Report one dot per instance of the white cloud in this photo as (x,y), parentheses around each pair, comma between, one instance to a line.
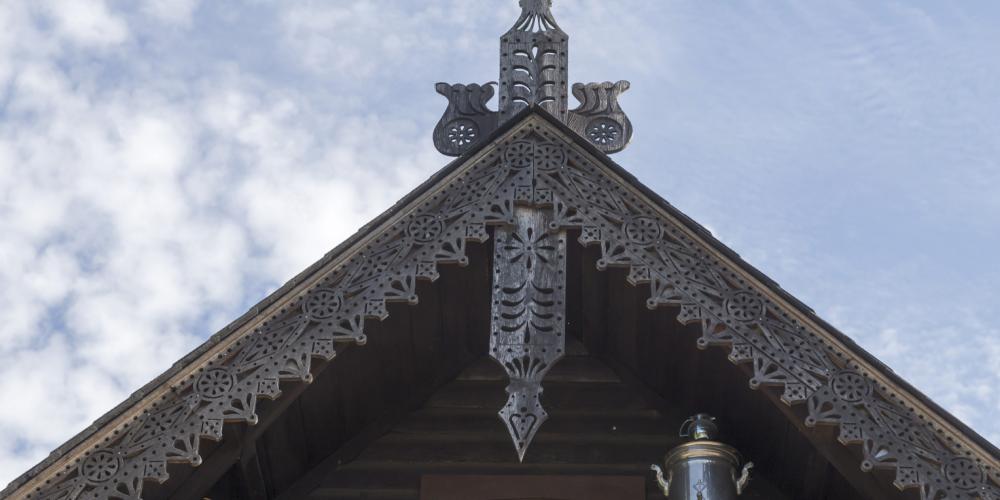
(150,191)
(86,22)
(143,210)
(154,146)
(357,41)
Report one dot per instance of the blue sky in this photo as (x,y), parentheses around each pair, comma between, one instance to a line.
(166,163)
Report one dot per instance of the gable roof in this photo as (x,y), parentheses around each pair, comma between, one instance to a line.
(901,428)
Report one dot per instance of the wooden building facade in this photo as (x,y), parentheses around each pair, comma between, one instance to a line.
(532,279)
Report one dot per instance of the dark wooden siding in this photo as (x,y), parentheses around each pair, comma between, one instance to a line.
(599,425)
(422,397)
(653,350)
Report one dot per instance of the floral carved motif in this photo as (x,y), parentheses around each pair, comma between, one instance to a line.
(528,317)
(534,68)
(783,353)
(333,310)
(533,167)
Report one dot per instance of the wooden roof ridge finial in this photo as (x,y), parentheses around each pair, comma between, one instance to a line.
(533,72)
(536,15)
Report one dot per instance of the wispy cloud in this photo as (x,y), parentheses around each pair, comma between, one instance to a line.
(165,163)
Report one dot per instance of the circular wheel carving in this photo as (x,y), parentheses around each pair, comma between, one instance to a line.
(322,304)
(851,386)
(462,132)
(519,154)
(214,383)
(100,466)
(643,230)
(424,228)
(604,131)
(549,157)
(963,473)
(745,306)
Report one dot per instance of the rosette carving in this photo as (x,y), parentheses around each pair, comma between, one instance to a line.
(680,269)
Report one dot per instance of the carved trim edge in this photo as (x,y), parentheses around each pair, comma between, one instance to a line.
(356,266)
(734,310)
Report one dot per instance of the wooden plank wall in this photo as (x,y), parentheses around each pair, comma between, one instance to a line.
(408,356)
(661,354)
(422,397)
(599,425)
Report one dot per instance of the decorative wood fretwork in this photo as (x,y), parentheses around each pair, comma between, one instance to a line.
(599,118)
(534,69)
(528,321)
(681,270)
(467,118)
(533,63)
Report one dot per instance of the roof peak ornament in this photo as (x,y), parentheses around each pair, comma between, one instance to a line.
(527,329)
(536,15)
(533,72)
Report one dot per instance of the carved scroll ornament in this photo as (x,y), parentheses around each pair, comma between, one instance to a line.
(631,232)
(467,118)
(599,118)
(534,69)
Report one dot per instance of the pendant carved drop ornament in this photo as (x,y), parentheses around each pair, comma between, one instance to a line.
(528,311)
(528,333)
(533,188)
(529,277)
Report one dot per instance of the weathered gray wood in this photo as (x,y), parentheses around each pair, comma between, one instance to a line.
(229,451)
(843,459)
(732,315)
(528,331)
(599,117)
(534,67)
(691,380)
(534,63)
(607,438)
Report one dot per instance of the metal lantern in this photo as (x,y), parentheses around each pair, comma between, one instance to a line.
(702,468)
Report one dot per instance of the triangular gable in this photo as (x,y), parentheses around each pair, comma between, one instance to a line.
(813,366)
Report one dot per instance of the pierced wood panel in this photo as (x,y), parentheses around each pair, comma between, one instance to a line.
(631,232)
(529,316)
(534,66)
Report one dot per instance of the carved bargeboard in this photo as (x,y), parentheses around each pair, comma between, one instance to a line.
(631,231)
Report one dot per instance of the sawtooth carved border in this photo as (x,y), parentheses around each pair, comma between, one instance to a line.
(680,270)
(737,313)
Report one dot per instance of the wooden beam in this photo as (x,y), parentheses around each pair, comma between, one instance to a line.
(346,453)
(230,452)
(252,485)
(840,457)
